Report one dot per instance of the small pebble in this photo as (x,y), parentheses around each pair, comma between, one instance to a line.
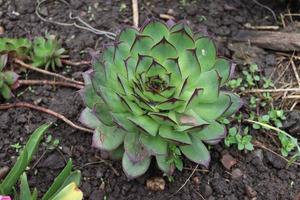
(228,161)
(250,191)
(156,184)
(236,173)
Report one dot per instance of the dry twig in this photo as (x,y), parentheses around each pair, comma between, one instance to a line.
(135,10)
(47,82)
(260,145)
(187,180)
(45,110)
(295,71)
(272,90)
(71,63)
(22,64)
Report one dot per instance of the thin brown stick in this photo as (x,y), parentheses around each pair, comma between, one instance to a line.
(187,180)
(48,82)
(292,97)
(71,63)
(45,110)
(273,90)
(260,145)
(295,71)
(135,11)
(20,62)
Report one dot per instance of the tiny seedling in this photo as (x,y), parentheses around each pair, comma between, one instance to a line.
(243,141)
(16,146)
(272,117)
(51,143)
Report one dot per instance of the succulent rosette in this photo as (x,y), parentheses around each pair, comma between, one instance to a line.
(156,88)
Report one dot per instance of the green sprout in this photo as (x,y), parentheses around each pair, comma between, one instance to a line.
(8,79)
(16,146)
(47,52)
(243,141)
(156,88)
(288,142)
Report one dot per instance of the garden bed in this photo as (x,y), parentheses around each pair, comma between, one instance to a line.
(259,174)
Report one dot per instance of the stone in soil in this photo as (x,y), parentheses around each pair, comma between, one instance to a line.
(236,173)
(156,184)
(228,161)
(250,191)
(53,161)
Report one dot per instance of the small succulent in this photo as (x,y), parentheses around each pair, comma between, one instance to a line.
(8,79)
(156,88)
(47,52)
(19,46)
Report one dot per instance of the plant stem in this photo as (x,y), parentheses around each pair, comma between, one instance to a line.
(20,62)
(48,82)
(68,62)
(45,110)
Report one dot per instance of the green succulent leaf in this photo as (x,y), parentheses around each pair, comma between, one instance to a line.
(196,152)
(164,165)
(211,134)
(25,192)
(154,144)
(88,118)
(108,138)
(134,148)
(133,170)
(173,135)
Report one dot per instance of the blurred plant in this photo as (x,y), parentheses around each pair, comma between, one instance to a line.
(16,146)
(156,92)
(272,117)
(289,144)
(18,46)
(47,52)
(8,79)
(64,187)
(7,185)
(243,141)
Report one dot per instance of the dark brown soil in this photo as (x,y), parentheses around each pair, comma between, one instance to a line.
(259,174)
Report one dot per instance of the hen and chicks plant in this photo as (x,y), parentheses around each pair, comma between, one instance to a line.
(156,93)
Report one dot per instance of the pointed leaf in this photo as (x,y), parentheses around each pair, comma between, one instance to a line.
(163,50)
(156,145)
(88,118)
(224,69)
(133,170)
(108,138)
(25,193)
(156,29)
(145,123)
(212,111)
(236,104)
(206,53)
(211,134)
(58,181)
(164,165)
(196,152)
(170,134)
(134,149)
